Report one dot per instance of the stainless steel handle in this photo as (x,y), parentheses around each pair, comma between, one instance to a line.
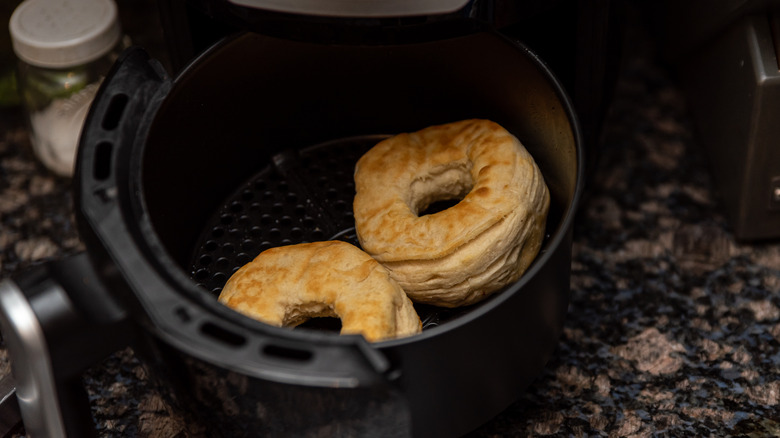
(36,389)
(10,416)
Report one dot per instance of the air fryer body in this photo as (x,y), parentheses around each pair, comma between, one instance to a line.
(159,158)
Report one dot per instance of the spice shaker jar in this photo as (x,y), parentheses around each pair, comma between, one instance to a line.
(64,48)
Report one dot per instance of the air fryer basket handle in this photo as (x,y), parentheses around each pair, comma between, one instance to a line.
(56,321)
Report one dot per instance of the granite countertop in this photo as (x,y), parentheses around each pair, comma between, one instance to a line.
(673,327)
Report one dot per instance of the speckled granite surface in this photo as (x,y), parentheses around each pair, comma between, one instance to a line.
(673,327)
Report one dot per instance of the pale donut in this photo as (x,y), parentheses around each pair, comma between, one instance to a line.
(287,285)
(460,255)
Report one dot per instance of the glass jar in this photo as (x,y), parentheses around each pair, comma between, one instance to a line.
(64,51)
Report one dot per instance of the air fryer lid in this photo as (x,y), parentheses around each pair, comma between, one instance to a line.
(344,21)
(153,194)
(357,8)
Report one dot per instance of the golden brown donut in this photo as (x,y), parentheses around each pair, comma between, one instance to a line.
(460,255)
(287,285)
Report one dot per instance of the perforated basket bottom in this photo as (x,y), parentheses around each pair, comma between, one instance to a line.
(301,196)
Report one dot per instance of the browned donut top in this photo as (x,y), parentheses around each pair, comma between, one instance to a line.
(397,177)
(284,286)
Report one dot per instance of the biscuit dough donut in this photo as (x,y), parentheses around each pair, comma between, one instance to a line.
(462,254)
(287,285)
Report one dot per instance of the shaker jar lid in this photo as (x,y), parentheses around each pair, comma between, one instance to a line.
(61,34)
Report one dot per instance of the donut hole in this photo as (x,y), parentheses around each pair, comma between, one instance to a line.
(439,205)
(440,188)
(323,323)
(313,316)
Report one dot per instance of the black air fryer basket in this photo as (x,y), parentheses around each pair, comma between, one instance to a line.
(253,145)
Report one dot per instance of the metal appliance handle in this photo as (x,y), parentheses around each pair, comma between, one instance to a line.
(56,321)
(10,417)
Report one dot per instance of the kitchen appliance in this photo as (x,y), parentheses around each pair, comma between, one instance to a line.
(727,62)
(252,145)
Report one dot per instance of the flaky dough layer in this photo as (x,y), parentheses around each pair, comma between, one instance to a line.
(287,285)
(462,254)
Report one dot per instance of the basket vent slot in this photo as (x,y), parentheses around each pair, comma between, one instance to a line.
(114,113)
(288,353)
(102,165)
(222,334)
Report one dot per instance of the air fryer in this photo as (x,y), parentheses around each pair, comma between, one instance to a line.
(252,145)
